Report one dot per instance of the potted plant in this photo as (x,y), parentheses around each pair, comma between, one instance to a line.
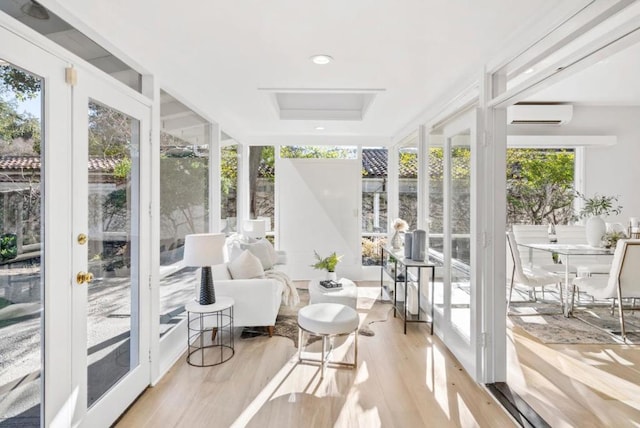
(593,208)
(610,239)
(327,263)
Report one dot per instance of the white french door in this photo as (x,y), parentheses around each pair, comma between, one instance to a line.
(35,292)
(72,353)
(111,236)
(458,293)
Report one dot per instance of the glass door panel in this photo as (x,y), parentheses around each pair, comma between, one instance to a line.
(436,214)
(113,177)
(21,247)
(460,237)
(111,274)
(453,163)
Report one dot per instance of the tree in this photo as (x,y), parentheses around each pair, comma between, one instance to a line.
(17,85)
(22,85)
(539,186)
(255,158)
(109,132)
(313,152)
(229,169)
(183,191)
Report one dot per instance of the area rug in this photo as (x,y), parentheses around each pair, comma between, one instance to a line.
(588,325)
(287,319)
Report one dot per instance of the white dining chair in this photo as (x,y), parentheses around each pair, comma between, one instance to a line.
(538,234)
(589,265)
(623,281)
(532,276)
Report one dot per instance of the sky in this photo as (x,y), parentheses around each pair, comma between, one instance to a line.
(32,106)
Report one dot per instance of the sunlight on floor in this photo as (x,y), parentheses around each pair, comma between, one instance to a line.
(284,384)
(585,379)
(265,395)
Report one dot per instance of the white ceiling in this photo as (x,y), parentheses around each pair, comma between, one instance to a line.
(218,54)
(614,81)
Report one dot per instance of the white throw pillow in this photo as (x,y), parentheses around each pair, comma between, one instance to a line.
(246,266)
(220,272)
(272,251)
(264,251)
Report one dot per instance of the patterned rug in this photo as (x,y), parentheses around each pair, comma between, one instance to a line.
(589,324)
(287,320)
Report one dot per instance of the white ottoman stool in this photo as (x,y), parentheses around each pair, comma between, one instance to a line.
(347,295)
(328,320)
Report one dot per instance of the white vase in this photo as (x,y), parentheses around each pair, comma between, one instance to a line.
(595,229)
(331,276)
(396,240)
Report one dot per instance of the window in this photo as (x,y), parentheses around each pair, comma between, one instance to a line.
(229,188)
(374,203)
(319,152)
(540,185)
(436,198)
(184,201)
(408,182)
(262,183)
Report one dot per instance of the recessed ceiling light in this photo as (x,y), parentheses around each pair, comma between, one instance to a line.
(528,71)
(321,59)
(319,128)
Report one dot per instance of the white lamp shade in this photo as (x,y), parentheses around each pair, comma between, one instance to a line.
(254,228)
(267,222)
(204,249)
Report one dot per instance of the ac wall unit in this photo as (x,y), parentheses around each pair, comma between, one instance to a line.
(539,114)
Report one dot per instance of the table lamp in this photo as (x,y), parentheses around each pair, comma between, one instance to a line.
(254,229)
(204,250)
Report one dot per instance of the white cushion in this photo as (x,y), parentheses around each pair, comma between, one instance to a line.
(272,251)
(220,272)
(246,266)
(264,251)
(328,318)
(233,250)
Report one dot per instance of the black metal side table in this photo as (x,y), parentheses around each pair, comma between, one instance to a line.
(402,265)
(217,320)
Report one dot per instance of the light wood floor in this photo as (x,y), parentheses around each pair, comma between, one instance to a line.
(402,380)
(576,385)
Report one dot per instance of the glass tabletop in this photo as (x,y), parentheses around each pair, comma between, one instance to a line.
(570,249)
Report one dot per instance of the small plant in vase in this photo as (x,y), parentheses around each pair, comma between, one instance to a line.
(593,208)
(400,226)
(328,263)
(610,239)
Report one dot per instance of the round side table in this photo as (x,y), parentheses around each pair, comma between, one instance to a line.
(217,320)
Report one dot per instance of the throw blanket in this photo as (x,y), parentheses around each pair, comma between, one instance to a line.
(290,295)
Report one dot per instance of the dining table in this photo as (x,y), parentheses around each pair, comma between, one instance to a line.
(568,251)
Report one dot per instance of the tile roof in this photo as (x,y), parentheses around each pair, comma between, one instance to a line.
(33,163)
(374,165)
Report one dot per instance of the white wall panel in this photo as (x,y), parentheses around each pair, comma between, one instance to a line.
(319,209)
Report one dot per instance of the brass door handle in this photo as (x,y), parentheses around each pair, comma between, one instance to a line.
(83,277)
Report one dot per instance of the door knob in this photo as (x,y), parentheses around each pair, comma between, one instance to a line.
(83,277)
